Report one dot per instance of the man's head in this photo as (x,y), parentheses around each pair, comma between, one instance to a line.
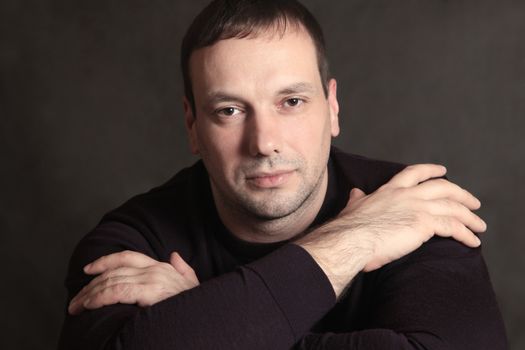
(226,19)
(260,114)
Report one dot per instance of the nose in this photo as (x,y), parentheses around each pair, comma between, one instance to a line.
(264,134)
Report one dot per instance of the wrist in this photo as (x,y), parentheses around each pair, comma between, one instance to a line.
(341,253)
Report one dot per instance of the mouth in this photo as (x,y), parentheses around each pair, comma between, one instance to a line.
(269,179)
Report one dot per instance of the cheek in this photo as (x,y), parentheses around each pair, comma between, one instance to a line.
(312,140)
(312,132)
(218,149)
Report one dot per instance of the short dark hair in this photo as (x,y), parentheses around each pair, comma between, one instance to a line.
(226,19)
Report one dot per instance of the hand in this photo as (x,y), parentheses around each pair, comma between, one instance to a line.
(411,208)
(376,229)
(132,278)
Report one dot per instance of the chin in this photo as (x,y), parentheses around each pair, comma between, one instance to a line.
(273,208)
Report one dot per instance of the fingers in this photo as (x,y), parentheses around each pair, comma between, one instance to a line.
(124,293)
(414,174)
(118,292)
(356,194)
(450,208)
(133,278)
(182,267)
(106,281)
(441,188)
(423,181)
(116,260)
(446,226)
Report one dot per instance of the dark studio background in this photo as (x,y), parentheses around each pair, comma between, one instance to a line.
(91,114)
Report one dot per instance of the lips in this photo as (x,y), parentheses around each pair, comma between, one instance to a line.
(269,180)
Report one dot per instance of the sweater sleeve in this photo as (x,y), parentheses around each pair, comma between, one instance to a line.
(269,303)
(439,297)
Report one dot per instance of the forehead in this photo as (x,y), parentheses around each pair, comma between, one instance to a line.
(264,61)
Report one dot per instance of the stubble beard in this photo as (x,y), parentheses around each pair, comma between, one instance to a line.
(274,207)
(277,206)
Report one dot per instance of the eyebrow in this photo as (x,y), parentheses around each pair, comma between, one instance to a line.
(216,97)
(297,88)
(301,87)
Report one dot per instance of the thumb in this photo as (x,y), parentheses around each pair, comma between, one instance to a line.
(182,267)
(356,194)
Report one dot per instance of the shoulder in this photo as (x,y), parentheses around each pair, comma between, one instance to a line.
(365,173)
(182,191)
(176,200)
(153,223)
(441,255)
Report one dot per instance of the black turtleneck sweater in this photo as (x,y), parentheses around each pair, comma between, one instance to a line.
(274,296)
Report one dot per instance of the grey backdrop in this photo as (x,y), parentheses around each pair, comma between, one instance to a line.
(90,106)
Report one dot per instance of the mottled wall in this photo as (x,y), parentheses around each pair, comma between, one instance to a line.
(90,114)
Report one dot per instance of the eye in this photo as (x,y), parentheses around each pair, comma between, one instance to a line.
(293,102)
(227,112)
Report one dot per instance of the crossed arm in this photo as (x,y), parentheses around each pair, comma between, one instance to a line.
(372,231)
(133,278)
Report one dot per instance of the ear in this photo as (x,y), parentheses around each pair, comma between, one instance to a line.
(189,120)
(333,104)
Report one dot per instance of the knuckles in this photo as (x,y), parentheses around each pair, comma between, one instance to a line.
(126,255)
(126,284)
(120,289)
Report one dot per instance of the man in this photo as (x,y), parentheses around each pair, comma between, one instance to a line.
(275,239)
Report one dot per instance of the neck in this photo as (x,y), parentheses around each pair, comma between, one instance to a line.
(250,228)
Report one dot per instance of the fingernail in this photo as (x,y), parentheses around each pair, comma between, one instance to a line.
(478,241)
(87,267)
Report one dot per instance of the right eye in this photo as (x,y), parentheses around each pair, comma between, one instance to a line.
(228,112)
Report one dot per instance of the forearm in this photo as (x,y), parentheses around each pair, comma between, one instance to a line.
(390,223)
(266,304)
(438,297)
(338,251)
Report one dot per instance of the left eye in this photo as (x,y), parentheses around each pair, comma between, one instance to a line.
(293,102)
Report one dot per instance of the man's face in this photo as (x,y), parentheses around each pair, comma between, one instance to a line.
(263,124)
